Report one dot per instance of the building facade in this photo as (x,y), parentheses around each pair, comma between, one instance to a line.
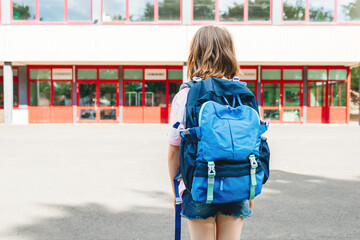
(122,61)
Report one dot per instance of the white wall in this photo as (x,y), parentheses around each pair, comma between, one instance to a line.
(169,44)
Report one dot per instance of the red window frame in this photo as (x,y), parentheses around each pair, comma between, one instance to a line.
(97,83)
(251,81)
(326,118)
(156,16)
(143,81)
(281,82)
(217,16)
(307,17)
(37,18)
(15,80)
(49,80)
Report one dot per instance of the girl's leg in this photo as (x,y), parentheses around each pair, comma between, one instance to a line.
(228,227)
(202,229)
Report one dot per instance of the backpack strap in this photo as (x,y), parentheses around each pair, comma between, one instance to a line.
(187,84)
(178,203)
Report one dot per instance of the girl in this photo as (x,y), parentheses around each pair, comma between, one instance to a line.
(212,54)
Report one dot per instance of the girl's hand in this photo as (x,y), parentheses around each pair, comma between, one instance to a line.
(251,203)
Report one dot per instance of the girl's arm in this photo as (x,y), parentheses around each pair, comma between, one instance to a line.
(173,163)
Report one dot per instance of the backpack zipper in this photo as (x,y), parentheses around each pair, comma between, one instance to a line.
(201,111)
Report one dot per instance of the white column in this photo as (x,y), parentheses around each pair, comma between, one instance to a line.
(96,11)
(185,73)
(8,93)
(186,12)
(5,11)
(276,12)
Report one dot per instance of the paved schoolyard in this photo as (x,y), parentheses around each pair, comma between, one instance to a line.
(102,182)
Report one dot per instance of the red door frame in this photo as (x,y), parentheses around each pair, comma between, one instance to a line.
(327,108)
(143,81)
(49,114)
(15,80)
(245,67)
(97,83)
(281,81)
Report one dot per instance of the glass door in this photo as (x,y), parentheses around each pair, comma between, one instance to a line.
(87,101)
(107,101)
(291,104)
(98,93)
(327,94)
(271,101)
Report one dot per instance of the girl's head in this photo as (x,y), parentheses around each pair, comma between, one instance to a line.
(212,54)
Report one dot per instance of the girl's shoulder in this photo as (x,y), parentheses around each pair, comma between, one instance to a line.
(182,94)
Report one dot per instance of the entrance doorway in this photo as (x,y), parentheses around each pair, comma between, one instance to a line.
(98,94)
(327,94)
(148,92)
(282,91)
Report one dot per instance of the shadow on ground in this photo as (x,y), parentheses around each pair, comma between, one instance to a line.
(292,207)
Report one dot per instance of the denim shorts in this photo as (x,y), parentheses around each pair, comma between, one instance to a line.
(195,210)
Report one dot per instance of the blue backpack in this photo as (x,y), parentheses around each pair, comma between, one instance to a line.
(223,156)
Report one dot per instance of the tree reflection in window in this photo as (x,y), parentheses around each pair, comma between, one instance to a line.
(348,10)
(294,10)
(322,10)
(169,9)
(141,10)
(231,10)
(204,10)
(23,9)
(259,10)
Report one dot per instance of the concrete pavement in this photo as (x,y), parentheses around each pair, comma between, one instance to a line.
(102,182)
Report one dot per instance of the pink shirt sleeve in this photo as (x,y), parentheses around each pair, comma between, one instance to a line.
(177,115)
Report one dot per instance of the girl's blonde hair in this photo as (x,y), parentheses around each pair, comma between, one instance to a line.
(212,54)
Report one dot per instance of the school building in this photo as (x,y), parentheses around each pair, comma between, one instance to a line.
(122,61)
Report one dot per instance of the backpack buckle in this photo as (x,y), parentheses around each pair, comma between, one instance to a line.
(211,169)
(253,161)
(185,131)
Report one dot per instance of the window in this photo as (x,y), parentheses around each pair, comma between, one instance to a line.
(51,11)
(169,10)
(155,94)
(231,11)
(337,94)
(24,9)
(114,10)
(108,74)
(141,10)
(133,74)
(50,86)
(270,74)
(271,94)
(133,92)
(317,74)
(316,94)
(204,10)
(348,10)
(321,10)
(40,93)
(79,10)
(259,10)
(292,74)
(175,74)
(294,10)
(86,74)
(59,11)
(62,93)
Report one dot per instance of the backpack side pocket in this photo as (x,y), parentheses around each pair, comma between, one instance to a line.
(265,158)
